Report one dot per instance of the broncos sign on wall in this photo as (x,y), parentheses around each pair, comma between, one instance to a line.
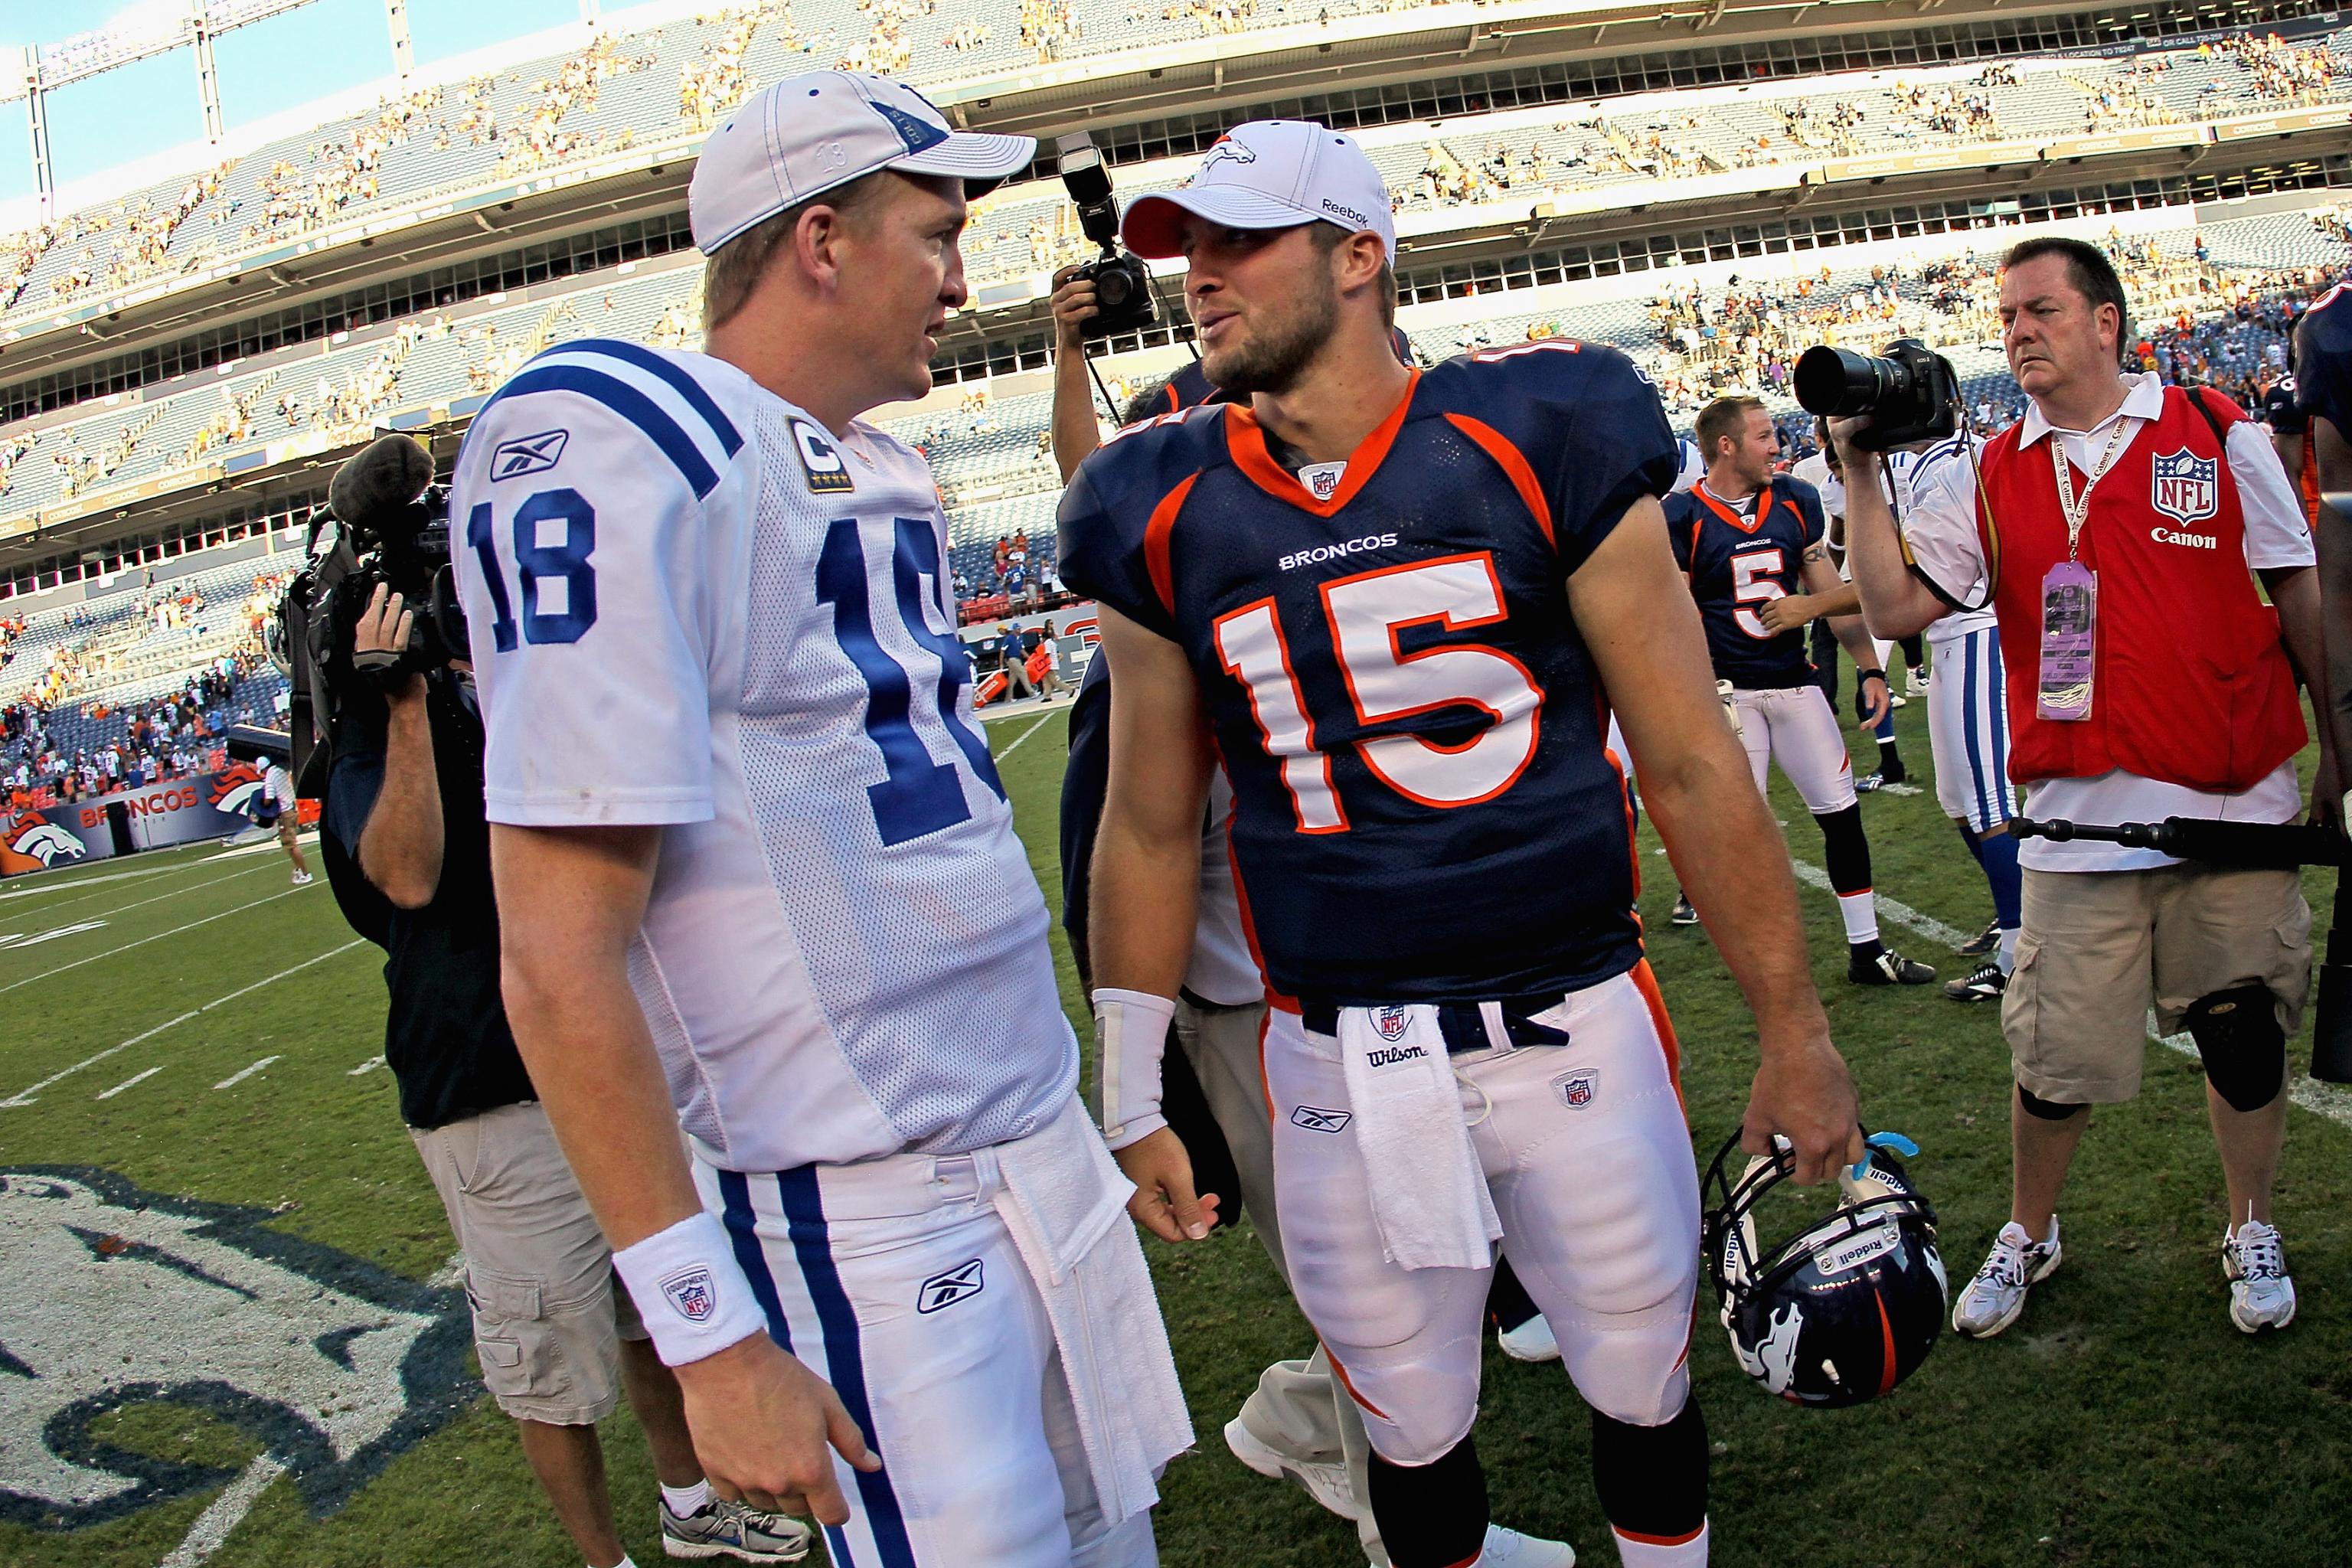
(176,810)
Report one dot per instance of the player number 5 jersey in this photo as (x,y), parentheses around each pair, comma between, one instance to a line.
(692,608)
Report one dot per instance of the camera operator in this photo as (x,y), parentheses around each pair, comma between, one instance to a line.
(408,851)
(2146,679)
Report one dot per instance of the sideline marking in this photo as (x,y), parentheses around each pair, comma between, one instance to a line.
(368,1065)
(14,940)
(126,1083)
(1023,736)
(2332,1100)
(232,1079)
(211,1531)
(142,942)
(24,1096)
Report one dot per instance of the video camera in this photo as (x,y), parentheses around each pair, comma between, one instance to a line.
(1122,283)
(385,524)
(1911,395)
(2258,846)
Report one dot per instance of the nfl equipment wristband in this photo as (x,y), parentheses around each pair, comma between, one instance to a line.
(1130,1034)
(690,1291)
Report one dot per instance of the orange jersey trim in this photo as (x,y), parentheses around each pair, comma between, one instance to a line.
(1155,542)
(1245,439)
(1514,464)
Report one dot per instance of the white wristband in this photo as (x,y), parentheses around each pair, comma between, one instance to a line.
(689,1290)
(1130,1033)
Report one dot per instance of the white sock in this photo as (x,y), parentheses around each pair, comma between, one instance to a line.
(1860,912)
(624,1562)
(685,1501)
(2009,949)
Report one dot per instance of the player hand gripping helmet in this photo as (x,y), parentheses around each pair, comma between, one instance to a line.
(1848,1307)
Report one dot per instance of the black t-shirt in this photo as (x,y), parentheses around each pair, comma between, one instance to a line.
(446,1037)
(2279,410)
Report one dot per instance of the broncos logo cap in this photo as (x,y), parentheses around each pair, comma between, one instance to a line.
(806,134)
(1269,174)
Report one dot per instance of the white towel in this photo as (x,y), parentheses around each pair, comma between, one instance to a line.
(1428,1191)
(1065,1200)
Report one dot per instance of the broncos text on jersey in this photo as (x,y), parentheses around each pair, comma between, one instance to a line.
(1738,565)
(1423,805)
(701,610)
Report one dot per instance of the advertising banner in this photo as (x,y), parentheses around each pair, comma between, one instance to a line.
(174,811)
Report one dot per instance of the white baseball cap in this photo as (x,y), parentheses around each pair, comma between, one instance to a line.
(1269,174)
(806,134)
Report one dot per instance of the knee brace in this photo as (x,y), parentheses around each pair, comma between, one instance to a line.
(1431,1515)
(1845,848)
(2238,1035)
(2046,1109)
(1651,1480)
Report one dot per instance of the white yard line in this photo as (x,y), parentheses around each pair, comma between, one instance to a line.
(159,936)
(2332,1100)
(1023,736)
(24,1096)
(126,1083)
(238,1077)
(211,1531)
(366,1067)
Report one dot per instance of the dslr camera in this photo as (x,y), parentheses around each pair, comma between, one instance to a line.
(1911,393)
(387,524)
(1122,283)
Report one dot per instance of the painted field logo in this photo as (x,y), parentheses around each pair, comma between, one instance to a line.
(113,1297)
(1391,1021)
(234,788)
(2185,486)
(950,1286)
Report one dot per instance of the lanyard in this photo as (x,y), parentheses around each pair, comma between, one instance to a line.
(2078,507)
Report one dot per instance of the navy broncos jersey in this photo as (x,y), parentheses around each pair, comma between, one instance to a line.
(2323,359)
(1738,565)
(1424,806)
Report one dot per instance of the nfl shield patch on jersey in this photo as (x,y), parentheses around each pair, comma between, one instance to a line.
(2185,486)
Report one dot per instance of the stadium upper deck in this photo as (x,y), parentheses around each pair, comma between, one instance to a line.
(162,426)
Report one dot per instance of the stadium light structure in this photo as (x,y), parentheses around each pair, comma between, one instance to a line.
(46,67)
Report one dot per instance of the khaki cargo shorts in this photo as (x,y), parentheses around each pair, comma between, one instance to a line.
(549,1312)
(2100,947)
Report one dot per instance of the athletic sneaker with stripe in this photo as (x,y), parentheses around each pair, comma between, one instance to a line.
(1993,1299)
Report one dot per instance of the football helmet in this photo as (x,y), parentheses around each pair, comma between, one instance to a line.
(1847,1307)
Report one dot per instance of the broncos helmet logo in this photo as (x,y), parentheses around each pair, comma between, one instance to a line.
(1774,1363)
(35,837)
(234,787)
(1226,148)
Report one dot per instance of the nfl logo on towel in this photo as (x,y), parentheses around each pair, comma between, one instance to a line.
(2185,486)
(1389,1021)
(693,1294)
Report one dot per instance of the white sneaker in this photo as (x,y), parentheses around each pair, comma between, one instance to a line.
(2261,1292)
(1531,1341)
(1325,1480)
(1509,1549)
(302,879)
(1997,1295)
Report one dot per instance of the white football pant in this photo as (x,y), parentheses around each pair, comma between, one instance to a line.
(1794,726)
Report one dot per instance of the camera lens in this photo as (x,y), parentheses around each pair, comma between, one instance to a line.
(1839,383)
(1113,287)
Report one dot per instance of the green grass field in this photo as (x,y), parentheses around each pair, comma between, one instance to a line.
(2124,1421)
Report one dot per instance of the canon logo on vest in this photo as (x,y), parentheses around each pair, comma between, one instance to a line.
(2164,535)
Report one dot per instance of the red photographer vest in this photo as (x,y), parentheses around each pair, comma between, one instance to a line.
(2191,684)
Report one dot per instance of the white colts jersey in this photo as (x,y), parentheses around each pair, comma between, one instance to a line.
(691,607)
(1943,462)
(1689,467)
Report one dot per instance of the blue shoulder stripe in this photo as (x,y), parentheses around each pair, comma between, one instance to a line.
(698,396)
(1948,448)
(601,386)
